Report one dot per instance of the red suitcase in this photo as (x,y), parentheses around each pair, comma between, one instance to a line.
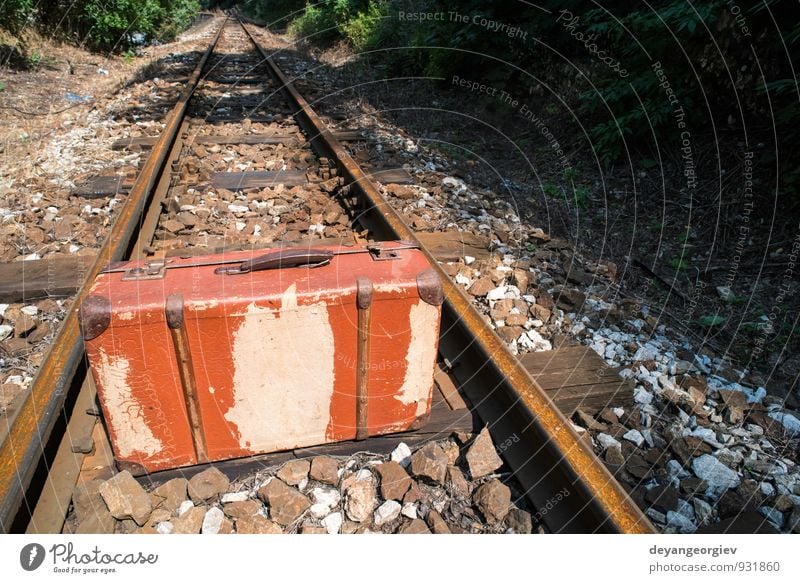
(206,359)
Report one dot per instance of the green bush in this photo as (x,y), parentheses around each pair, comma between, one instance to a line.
(15,14)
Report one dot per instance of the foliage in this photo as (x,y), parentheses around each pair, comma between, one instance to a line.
(113,25)
(14,14)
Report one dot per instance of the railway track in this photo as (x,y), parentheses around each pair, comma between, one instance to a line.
(240,126)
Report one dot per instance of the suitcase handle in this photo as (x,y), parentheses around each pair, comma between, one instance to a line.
(281,259)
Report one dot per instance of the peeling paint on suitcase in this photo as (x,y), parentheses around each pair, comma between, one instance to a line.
(207,359)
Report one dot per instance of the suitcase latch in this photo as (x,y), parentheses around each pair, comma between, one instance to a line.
(153,269)
(380,253)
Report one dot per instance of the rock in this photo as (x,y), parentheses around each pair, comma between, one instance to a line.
(783,503)
(99,522)
(663,498)
(360,500)
(570,299)
(402,455)
(430,463)
(24,325)
(229,497)
(744,523)
(213,521)
(185,507)
(519,521)
(510,333)
(413,495)
(482,458)
(634,436)
(613,456)
(452,451)
(327,497)
(493,499)
(773,515)
(637,467)
(717,475)
(416,526)
(409,510)
(437,523)
(257,524)
(125,498)
(87,501)
(285,503)
(702,510)
(793,523)
(207,484)
(387,512)
(242,509)
(170,495)
(680,522)
(159,515)
(458,483)
(481,287)
(164,528)
(294,472)
(606,441)
(325,469)
(732,502)
(692,486)
(521,279)
(189,522)
(333,522)
(395,482)
(583,418)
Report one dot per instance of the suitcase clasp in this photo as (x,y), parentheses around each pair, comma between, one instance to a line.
(153,269)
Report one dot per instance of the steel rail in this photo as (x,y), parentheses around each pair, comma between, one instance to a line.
(22,450)
(567,483)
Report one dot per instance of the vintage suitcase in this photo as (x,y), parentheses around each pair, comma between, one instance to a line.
(206,359)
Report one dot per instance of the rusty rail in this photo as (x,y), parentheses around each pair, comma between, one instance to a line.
(561,472)
(23,448)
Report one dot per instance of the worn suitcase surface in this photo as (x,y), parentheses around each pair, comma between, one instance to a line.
(212,358)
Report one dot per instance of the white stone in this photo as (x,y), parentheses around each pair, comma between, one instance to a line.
(3,308)
(641,395)
(409,510)
(774,515)
(212,521)
(319,510)
(333,522)
(387,512)
(634,436)
(402,455)
(680,522)
(717,475)
(468,260)
(328,497)
(5,331)
(235,497)
(164,528)
(790,423)
(767,489)
(237,208)
(29,310)
(606,441)
(707,435)
(462,279)
(185,507)
(497,293)
(364,475)
(702,510)
(618,411)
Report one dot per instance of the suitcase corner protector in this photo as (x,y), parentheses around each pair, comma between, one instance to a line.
(429,287)
(94,316)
